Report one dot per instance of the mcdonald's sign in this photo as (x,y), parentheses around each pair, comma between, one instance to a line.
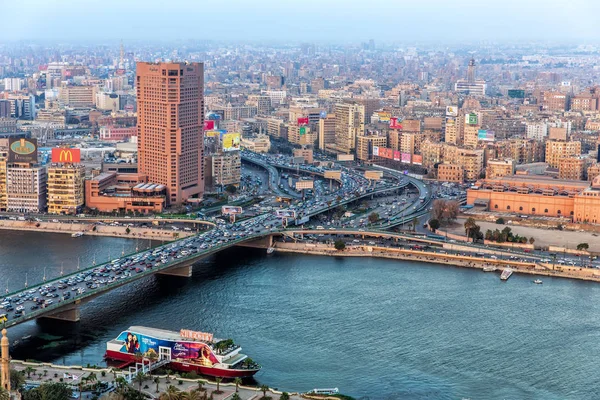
(62,155)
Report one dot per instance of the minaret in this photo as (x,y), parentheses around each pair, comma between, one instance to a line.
(471,71)
(4,363)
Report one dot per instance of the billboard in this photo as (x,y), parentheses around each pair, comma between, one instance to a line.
(384,116)
(396,155)
(471,119)
(302,130)
(451,111)
(406,158)
(209,125)
(323,114)
(215,133)
(373,175)
(62,155)
(417,159)
(301,185)
(516,93)
(345,157)
(375,150)
(333,175)
(231,141)
(394,123)
(231,210)
(285,213)
(183,351)
(22,150)
(386,153)
(487,136)
(302,121)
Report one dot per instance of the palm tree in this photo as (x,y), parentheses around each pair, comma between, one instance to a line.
(470,224)
(45,372)
(172,393)
(152,357)
(284,396)
(264,389)
(168,372)
(29,370)
(191,395)
(218,380)
(157,381)
(200,385)
(236,396)
(4,395)
(92,377)
(139,378)
(238,382)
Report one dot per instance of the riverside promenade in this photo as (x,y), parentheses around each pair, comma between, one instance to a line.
(464,261)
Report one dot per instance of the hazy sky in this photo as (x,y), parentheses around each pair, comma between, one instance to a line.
(298,20)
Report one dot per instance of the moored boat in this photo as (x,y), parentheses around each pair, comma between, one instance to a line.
(489,269)
(506,274)
(185,351)
(270,250)
(77,234)
(538,281)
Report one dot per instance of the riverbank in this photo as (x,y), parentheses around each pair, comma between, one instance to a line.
(92,229)
(467,261)
(48,372)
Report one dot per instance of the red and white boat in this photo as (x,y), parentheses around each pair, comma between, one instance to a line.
(186,351)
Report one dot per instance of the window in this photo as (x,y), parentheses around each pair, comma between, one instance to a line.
(520,208)
(533,209)
(508,207)
(546,210)
(496,206)
(571,213)
(558,212)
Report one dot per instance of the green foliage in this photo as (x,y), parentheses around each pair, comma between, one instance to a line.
(500,221)
(583,246)
(339,245)
(49,391)
(434,224)
(17,379)
(284,396)
(506,235)
(373,217)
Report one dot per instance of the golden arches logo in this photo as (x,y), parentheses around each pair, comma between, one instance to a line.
(65,156)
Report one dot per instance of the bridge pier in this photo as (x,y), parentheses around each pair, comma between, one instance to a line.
(69,313)
(184,271)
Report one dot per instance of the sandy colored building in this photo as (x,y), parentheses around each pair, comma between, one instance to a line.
(26,188)
(365,143)
(306,154)
(571,168)
(277,128)
(499,168)
(593,171)
(302,135)
(349,123)
(555,133)
(170,125)
(65,188)
(450,173)
(3,166)
(471,133)
(451,133)
(555,150)
(326,131)
(226,168)
(258,143)
(78,96)
(554,101)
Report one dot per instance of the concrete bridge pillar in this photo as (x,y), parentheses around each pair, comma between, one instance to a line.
(185,271)
(69,313)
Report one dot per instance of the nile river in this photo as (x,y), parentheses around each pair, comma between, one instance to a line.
(378,328)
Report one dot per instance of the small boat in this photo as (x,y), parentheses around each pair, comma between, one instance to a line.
(77,234)
(538,282)
(506,274)
(489,269)
(270,250)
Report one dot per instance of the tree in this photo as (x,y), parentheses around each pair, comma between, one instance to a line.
(373,217)
(157,381)
(218,381)
(264,388)
(4,395)
(284,396)
(29,370)
(500,221)
(434,224)
(191,395)
(470,224)
(415,221)
(339,245)
(127,231)
(236,396)
(139,378)
(531,240)
(17,379)
(49,391)
(201,384)
(445,211)
(172,393)
(583,246)
(152,358)
(238,382)
(231,189)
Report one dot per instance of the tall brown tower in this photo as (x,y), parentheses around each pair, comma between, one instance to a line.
(4,362)
(471,71)
(170,127)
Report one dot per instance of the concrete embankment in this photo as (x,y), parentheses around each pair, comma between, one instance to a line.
(94,230)
(441,258)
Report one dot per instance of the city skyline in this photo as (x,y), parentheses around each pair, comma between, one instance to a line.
(334,20)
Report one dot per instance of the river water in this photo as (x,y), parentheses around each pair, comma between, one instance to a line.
(378,328)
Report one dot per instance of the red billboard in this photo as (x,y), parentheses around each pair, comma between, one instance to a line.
(406,158)
(209,125)
(417,159)
(386,153)
(394,123)
(61,155)
(396,155)
(302,121)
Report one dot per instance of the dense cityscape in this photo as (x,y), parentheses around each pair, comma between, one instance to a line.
(150,177)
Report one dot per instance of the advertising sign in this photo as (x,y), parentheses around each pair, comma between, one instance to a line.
(231,141)
(396,155)
(417,159)
(406,158)
(345,157)
(188,334)
(301,185)
(451,111)
(209,125)
(333,175)
(373,175)
(516,93)
(375,150)
(285,213)
(323,114)
(394,123)
(487,136)
(384,116)
(22,150)
(62,155)
(386,153)
(302,121)
(302,130)
(471,119)
(231,210)
(182,351)
(214,133)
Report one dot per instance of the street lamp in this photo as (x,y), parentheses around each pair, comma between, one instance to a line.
(7,285)
(44,274)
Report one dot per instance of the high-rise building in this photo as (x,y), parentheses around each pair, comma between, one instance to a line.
(26,188)
(471,85)
(226,169)
(3,160)
(451,132)
(349,123)
(326,131)
(499,168)
(571,168)
(555,150)
(170,127)
(365,143)
(65,188)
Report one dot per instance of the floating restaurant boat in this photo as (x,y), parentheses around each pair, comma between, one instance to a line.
(506,274)
(186,351)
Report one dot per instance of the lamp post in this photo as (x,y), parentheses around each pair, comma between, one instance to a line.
(26,280)
(44,274)
(7,285)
